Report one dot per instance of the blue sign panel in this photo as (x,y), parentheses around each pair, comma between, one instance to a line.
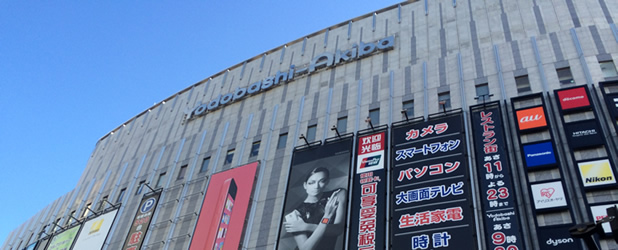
(539,154)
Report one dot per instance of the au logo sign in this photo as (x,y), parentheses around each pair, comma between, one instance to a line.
(596,173)
(531,118)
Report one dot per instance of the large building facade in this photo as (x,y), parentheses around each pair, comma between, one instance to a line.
(459,124)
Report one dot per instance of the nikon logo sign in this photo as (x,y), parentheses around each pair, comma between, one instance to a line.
(324,60)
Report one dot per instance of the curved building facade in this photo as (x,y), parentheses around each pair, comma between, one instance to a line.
(442,124)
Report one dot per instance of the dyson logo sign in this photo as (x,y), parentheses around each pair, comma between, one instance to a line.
(556,242)
(324,60)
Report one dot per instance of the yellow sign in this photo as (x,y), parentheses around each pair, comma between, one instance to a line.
(595,173)
(96,226)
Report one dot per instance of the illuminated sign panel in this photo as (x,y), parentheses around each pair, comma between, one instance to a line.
(596,173)
(583,134)
(368,214)
(548,195)
(531,118)
(431,196)
(141,221)
(599,212)
(573,98)
(539,154)
(496,184)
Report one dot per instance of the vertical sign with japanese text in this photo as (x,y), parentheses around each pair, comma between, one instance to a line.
(431,205)
(368,220)
(141,221)
(496,185)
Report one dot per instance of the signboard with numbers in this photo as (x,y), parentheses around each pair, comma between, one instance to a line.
(368,220)
(501,217)
(431,199)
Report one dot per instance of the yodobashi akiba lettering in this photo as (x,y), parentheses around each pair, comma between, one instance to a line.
(323,60)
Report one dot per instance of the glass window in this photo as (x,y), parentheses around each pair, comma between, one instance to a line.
(205,164)
(255,149)
(565,76)
(482,90)
(342,124)
(71,220)
(311,132)
(608,68)
(523,84)
(122,191)
(160,180)
(86,210)
(444,100)
(283,138)
(229,157)
(409,108)
(102,203)
(374,115)
(57,224)
(182,172)
(140,187)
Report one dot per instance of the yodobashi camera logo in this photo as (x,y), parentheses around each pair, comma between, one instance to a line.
(371,161)
(149,204)
(556,242)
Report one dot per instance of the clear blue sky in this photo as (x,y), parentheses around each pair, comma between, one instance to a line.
(72,71)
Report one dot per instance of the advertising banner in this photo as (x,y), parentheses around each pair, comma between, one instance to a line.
(64,240)
(222,218)
(141,221)
(596,173)
(539,154)
(495,181)
(548,195)
(368,220)
(95,231)
(431,206)
(531,118)
(599,212)
(583,134)
(557,238)
(315,208)
(573,98)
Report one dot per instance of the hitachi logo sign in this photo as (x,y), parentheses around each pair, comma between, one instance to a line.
(530,118)
(598,179)
(324,60)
